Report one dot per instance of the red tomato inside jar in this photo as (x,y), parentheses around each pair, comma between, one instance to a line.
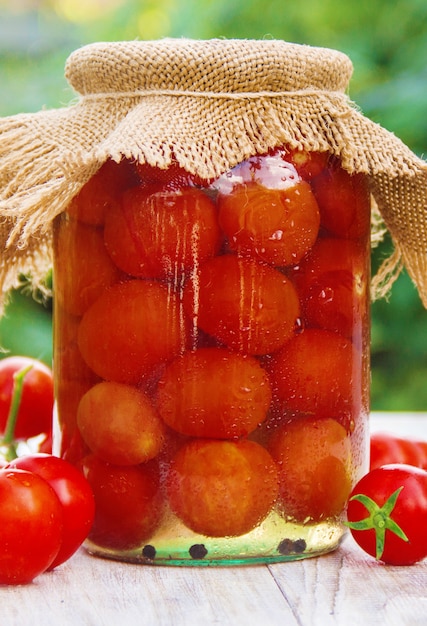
(211,356)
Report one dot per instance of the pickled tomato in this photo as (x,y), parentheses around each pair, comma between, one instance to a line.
(212,392)
(155,233)
(248,306)
(119,423)
(210,352)
(130,330)
(222,488)
(314,459)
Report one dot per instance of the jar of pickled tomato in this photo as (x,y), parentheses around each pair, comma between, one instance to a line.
(212,356)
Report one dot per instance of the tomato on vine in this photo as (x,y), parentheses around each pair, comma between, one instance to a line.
(387,514)
(34,414)
(47,505)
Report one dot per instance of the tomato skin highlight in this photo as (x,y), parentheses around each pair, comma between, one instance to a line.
(31,526)
(74,494)
(386,448)
(409,512)
(36,406)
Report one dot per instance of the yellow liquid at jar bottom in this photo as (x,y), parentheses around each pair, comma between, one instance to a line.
(272,541)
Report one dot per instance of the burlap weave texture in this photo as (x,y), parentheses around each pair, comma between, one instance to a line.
(207,105)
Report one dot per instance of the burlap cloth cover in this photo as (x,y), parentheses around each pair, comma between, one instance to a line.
(207,105)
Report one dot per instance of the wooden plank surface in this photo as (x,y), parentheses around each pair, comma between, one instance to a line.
(342,588)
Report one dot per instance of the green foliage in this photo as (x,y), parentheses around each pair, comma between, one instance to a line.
(26,328)
(386,42)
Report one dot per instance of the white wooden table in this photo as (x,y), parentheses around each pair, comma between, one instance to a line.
(344,587)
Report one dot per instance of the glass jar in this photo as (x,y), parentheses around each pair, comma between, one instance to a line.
(211,354)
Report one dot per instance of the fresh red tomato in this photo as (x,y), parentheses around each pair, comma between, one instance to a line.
(74,494)
(212,392)
(387,448)
(128,502)
(36,407)
(313,457)
(31,526)
(222,488)
(248,306)
(387,514)
(120,424)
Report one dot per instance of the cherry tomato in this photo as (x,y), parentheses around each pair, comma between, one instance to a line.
(222,488)
(155,233)
(119,424)
(387,514)
(344,202)
(69,363)
(248,306)
(212,392)
(316,373)
(68,396)
(128,502)
(308,164)
(132,328)
(330,255)
(36,406)
(31,526)
(313,458)
(74,494)
(274,225)
(102,191)
(386,448)
(83,268)
(172,178)
(332,282)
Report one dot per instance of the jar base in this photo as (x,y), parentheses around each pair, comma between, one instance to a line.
(274,541)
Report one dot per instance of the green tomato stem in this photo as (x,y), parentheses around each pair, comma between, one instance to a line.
(378,520)
(8,440)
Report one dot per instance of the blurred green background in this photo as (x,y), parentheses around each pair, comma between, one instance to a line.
(387,42)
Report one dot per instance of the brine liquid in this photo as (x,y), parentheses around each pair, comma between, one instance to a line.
(211,356)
